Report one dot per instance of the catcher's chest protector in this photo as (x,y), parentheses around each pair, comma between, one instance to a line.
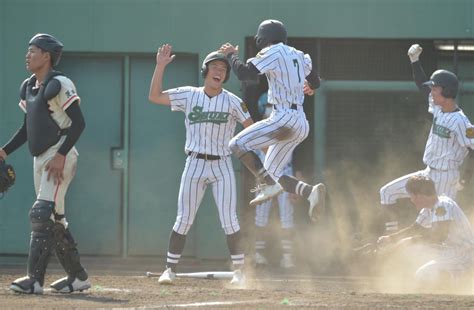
(42,131)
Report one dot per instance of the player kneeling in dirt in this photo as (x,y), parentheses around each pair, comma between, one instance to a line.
(444,229)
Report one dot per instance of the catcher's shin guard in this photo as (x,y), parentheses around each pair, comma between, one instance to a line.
(67,253)
(41,242)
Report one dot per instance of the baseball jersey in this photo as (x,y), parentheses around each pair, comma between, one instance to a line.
(210,122)
(450,136)
(59,104)
(460,233)
(286,69)
(424,218)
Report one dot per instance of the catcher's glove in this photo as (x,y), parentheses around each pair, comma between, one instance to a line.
(7,176)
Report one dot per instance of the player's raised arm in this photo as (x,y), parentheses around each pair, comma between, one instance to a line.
(419,75)
(243,71)
(163,58)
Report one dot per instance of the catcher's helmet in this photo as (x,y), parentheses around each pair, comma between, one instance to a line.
(270,31)
(215,56)
(50,44)
(447,80)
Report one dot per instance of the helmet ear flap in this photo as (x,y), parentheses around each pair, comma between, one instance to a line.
(204,71)
(448,93)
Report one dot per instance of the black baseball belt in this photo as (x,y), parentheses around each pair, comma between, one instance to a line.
(204,156)
(294,106)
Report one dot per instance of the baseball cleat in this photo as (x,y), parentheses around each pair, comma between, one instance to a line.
(69,285)
(238,279)
(266,192)
(167,277)
(317,201)
(26,285)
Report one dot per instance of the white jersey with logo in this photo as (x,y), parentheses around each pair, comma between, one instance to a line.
(46,189)
(460,232)
(210,122)
(450,136)
(286,69)
(424,218)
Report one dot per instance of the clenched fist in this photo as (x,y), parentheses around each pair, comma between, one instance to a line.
(414,52)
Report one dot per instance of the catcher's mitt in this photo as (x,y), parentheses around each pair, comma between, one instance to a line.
(7,176)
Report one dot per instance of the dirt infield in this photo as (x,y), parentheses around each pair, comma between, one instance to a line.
(132,289)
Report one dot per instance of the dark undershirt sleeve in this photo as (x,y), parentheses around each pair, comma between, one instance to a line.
(18,139)
(74,131)
(420,77)
(243,71)
(313,79)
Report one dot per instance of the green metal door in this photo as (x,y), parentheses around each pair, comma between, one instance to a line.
(156,157)
(93,203)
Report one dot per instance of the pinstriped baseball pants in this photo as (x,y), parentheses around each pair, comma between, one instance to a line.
(446,182)
(197,175)
(282,132)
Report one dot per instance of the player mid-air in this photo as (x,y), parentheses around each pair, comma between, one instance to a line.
(290,76)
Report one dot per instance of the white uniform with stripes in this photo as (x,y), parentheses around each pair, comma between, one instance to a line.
(450,137)
(285,68)
(210,124)
(455,254)
(47,190)
(262,211)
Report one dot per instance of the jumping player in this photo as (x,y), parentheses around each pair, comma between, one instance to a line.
(211,113)
(52,125)
(290,76)
(450,140)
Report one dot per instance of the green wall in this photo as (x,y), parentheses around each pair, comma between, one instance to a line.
(138,27)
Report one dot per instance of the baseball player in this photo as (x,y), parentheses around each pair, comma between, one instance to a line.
(290,76)
(262,211)
(450,140)
(52,125)
(211,114)
(442,223)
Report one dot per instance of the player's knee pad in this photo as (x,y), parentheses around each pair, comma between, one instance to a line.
(67,253)
(41,243)
(40,216)
(237,147)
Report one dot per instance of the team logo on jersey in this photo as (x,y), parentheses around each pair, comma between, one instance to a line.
(244,107)
(198,116)
(470,132)
(440,211)
(70,93)
(441,131)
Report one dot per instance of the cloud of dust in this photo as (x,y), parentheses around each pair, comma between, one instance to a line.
(355,218)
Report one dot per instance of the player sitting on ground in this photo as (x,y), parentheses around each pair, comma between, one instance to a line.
(444,228)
